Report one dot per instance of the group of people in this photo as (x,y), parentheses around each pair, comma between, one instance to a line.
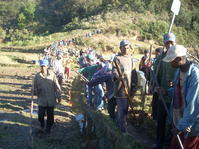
(55,66)
(173,81)
(175,88)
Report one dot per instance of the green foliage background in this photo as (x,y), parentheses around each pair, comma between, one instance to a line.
(43,17)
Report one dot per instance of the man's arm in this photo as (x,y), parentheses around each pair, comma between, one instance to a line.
(141,63)
(114,69)
(191,111)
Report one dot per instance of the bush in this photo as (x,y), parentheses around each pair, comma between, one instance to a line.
(183,37)
(2,34)
(75,24)
(19,35)
(153,30)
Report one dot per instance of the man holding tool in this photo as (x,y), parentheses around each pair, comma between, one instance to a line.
(185,93)
(164,74)
(122,67)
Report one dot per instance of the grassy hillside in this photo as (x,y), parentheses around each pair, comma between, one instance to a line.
(32,22)
(141,30)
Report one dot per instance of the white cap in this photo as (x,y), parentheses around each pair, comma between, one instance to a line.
(175,51)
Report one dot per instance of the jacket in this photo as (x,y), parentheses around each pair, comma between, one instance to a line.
(89,71)
(190,116)
(125,64)
(47,89)
(165,73)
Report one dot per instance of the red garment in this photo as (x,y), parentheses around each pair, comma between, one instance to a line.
(67,72)
(191,142)
(146,62)
(178,102)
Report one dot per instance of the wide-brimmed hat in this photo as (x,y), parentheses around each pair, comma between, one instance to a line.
(175,51)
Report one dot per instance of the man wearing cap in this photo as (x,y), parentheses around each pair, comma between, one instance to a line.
(145,64)
(47,89)
(164,74)
(185,93)
(124,61)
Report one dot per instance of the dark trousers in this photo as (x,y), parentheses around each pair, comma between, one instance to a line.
(60,78)
(50,116)
(163,127)
(111,107)
(122,110)
(154,105)
(108,79)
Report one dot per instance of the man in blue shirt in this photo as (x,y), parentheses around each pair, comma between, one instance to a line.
(185,94)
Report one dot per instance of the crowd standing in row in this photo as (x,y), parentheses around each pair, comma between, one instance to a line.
(172,79)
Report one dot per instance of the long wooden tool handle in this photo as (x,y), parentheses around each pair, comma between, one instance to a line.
(167,111)
(84,78)
(123,84)
(31,141)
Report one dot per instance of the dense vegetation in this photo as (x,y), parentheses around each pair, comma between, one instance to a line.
(23,20)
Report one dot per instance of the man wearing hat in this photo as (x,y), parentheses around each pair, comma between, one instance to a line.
(47,89)
(185,93)
(124,61)
(164,74)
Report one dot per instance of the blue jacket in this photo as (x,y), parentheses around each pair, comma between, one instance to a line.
(190,117)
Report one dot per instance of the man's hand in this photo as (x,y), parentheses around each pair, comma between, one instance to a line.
(117,78)
(187,130)
(175,131)
(59,99)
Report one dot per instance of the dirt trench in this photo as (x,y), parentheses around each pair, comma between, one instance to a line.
(15,98)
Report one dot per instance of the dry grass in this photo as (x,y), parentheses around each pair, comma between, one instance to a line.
(17,58)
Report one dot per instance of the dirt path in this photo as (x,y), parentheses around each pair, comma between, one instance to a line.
(15,100)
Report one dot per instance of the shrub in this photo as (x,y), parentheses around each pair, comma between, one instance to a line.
(2,34)
(19,35)
(153,30)
(75,24)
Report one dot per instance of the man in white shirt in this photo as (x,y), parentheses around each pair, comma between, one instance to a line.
(58,68)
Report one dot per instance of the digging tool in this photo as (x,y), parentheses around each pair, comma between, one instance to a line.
(156,84)
(165,107)
(193,57)
(31,141)
(143,94)
(150,53)
(123,85)
(83,78)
